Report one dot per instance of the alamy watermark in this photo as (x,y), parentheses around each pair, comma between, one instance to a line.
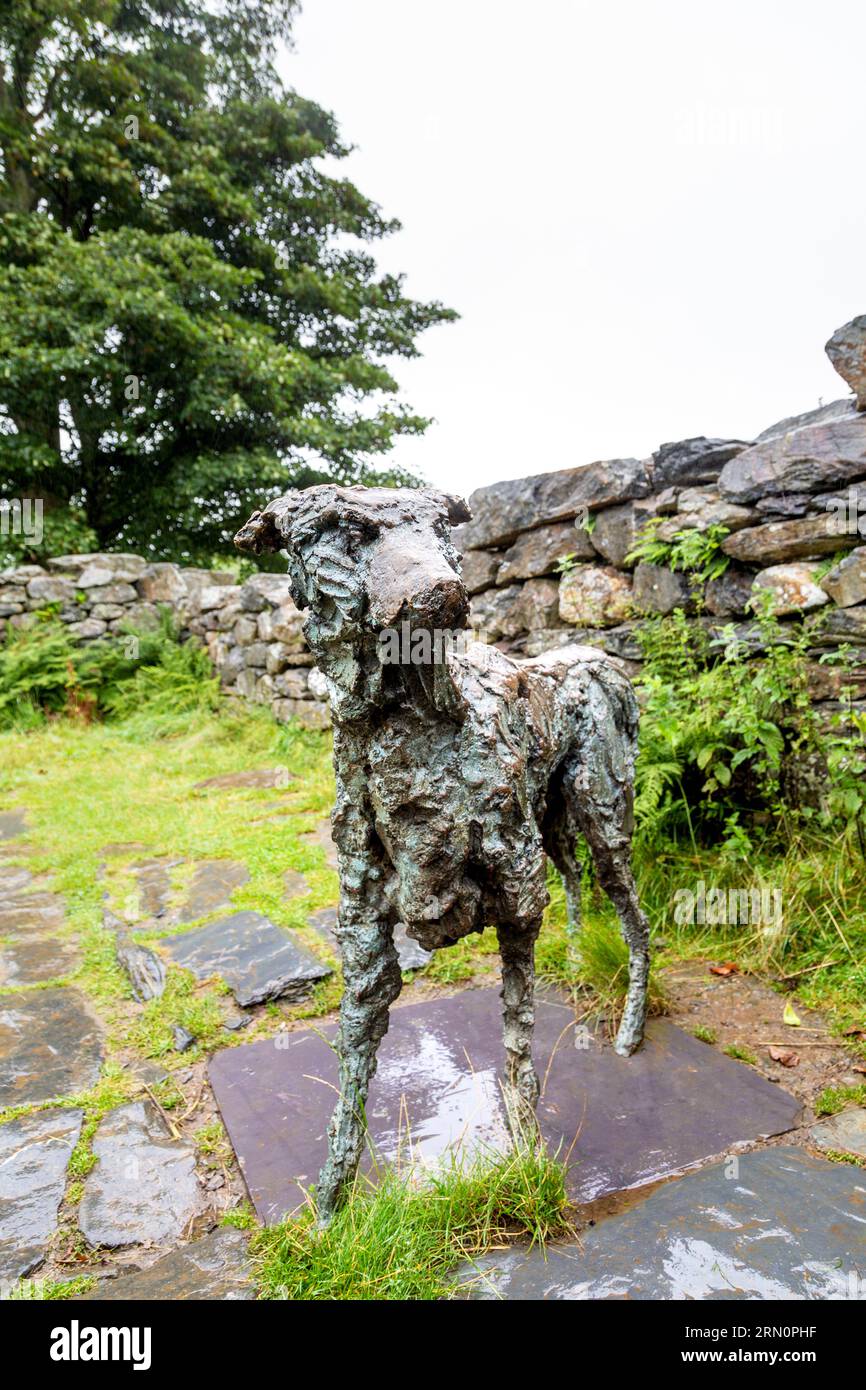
(408,645)
(22,516)
(727,907)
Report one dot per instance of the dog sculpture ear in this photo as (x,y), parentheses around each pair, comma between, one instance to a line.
(456,508)
(269,529)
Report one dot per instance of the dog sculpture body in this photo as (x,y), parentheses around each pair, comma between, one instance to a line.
(455,776)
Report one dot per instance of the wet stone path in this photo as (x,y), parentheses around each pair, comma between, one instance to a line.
(127,1181)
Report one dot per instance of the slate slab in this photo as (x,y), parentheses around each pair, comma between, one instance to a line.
(254,777)
(12,824)
(786,1226)
(49,1046)
(211,888)
(35,960)
(842,1133)
(257,960)
(410,955)
(215,1267)
(627,1121)
(143,1189)
(34,1152)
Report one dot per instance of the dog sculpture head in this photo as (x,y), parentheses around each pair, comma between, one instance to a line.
(362,560)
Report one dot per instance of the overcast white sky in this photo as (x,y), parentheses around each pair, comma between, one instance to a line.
(650,215)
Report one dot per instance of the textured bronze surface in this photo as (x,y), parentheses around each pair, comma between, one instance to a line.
(458,770)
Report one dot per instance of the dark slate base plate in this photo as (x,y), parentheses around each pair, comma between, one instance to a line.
(786,1226)
(625,1121)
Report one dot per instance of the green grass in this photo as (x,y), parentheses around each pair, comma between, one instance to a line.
(835,1098)
(740,1054)
(402,1241)
(705,1035)
(54,1290)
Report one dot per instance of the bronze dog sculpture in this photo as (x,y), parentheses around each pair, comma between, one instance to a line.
(455,775)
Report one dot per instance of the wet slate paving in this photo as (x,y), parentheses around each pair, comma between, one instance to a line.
(50,1046)
(626,1121)
(12,824)
(34,1152)
(215,1267)
(255,778)
(257,960)
(410,955)
(213,883)
(843,1133)
(143,1188)
(36,960)
(153,885)
(786,1226)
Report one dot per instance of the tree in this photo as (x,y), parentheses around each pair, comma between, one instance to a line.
(190,319)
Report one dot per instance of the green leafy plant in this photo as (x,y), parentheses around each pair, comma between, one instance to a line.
(690,551)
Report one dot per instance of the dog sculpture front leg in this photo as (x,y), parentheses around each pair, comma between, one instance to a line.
(517,949)
(371,982)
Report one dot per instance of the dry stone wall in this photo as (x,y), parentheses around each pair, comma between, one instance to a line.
(793,502)
(251,630)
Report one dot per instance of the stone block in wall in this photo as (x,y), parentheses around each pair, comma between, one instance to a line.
(227,616)
(500,512)
(307,712)
(287,626)
(162,582)
(245,630)
(698,508)
(792,587)
(777,542)
(262,591)
(106,611)
(846,583)
(692,461)
(117,592)
(658,589)
(292,685)
(847,351)
(232,662)
(831,682)
(729,595)
(94,576)
(478,569)
(246,681)
(517,608)
(595,596)
(139,614)
(211,596)
(839,625)
(121,565)
(256,654)
(45,589)
(265,690)
(88,629)
(535,553)
(616,529)
(278,654)
(811,459)
(844,409)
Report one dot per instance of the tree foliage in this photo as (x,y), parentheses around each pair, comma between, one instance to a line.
(191,319)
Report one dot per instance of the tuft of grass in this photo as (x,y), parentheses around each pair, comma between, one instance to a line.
(53,1290)
(705,1035)
(835,1098)
(396,1240)
(240,1218)
(740,1054)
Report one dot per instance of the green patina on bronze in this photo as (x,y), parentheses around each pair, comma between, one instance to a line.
(454,778)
